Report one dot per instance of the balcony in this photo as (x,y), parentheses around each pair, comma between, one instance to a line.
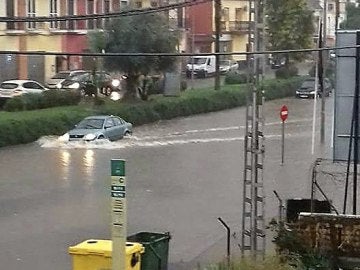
(236,27)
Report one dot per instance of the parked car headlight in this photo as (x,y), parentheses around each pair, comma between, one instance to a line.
(65,137)
(89,137)
(74,85)
(58,85)
(115,83)
(115,96)
(312,92)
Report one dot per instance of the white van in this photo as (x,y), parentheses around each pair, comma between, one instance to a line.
(202,66)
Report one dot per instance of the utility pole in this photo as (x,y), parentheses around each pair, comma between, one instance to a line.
(253,214)
(217,43)
(324,64)
(337,14)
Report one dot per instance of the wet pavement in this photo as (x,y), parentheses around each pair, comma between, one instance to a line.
(182,175)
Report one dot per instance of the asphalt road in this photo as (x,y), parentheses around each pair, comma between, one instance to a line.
(182,175)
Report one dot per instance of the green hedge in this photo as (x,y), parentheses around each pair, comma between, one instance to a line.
(47,99)
(25,127)
(234,77)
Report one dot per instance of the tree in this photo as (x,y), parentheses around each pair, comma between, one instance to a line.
(352,20)
(290,26)
(147,33)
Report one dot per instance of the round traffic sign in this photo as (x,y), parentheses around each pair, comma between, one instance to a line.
(284,113)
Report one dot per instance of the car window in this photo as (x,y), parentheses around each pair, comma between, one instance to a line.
(224,63)
(32,85)
(117,121)
(109,122)
(80,77)
(91,124)
(61,75)
(9,85)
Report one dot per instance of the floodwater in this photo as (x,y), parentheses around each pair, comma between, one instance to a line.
(182,175)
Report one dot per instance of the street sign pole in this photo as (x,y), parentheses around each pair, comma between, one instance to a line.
(118,213)
(282,141)
(284,112)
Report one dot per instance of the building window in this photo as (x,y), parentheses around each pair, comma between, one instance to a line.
(70,24)
(89,11)
(138,4)
(107,10)
(123,4)
(154,4)
(10,14)
(330,7)
(31,13)
(54,13)
(225,14)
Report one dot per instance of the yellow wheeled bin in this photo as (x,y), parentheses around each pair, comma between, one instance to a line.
(96,255)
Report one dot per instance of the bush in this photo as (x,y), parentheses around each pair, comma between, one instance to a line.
(14,104)
(156,85)
(286,72)
(235,78)
(183,85)
(50,98)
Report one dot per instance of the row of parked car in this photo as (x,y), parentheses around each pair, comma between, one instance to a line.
(86,82)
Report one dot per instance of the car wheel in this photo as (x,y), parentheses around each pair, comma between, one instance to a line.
(108,91)
(101,137)
(82,92)
(127,133)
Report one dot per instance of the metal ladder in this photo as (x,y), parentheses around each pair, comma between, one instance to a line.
(253,238)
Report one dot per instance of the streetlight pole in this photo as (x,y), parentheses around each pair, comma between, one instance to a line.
(217,43)
(324,63)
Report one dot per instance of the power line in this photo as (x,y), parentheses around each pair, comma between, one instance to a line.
(131,12)
(109,54)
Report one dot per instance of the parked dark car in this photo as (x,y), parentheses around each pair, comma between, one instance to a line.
(307,88)
(88,83)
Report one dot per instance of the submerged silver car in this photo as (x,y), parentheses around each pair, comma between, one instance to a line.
(99,127)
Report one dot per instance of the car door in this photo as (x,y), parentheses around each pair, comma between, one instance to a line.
(119,127)
(110,129)
(33,87)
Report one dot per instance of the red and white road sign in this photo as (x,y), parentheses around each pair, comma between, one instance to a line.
(284,112)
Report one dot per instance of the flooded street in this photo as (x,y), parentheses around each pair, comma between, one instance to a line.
(182,175)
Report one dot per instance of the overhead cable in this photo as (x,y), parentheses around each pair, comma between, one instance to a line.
(112,54)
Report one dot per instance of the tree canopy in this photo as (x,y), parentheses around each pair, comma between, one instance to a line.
(146,33)
(290,25)
(352,20)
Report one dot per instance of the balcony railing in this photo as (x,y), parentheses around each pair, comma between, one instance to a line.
(235,26)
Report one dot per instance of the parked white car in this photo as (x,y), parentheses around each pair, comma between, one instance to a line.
(228,65)
(14,88)
(201,66)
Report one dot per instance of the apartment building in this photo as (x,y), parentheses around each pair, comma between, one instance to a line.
(234,27)
(56,36)
(318,8)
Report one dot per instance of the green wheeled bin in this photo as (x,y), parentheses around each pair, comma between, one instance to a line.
(156,247)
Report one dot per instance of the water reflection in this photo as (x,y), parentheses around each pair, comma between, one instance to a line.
(65,159)
(88,164)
